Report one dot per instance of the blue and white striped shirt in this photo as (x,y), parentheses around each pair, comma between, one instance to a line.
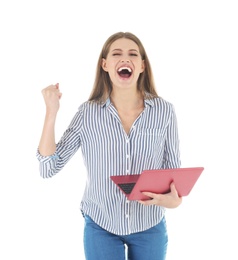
(152,143)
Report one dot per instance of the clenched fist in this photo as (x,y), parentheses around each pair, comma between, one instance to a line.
(52,95)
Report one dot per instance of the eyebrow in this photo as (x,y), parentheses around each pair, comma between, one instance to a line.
(121,50)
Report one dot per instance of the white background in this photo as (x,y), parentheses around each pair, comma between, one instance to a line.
(192,47)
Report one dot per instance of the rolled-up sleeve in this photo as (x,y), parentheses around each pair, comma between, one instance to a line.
(65,148)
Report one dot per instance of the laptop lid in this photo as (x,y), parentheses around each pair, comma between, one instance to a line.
(158,181)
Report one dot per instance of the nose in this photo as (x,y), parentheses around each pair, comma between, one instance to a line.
(125,58)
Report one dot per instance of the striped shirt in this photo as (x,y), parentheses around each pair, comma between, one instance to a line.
(152,143)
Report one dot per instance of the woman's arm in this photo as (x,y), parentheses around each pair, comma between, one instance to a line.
(171,160)
(51,95)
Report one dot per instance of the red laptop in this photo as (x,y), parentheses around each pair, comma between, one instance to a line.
(158,181)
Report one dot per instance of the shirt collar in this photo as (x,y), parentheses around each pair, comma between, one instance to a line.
(149,102)
(106,103)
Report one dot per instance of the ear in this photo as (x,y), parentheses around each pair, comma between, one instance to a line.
(142,66)
(104,64)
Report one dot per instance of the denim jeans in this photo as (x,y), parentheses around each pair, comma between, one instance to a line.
(100,244)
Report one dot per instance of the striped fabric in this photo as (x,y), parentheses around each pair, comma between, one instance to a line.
(107,150)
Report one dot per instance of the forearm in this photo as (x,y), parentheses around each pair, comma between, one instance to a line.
(47,145)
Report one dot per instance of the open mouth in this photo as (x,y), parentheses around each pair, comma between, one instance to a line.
(124,72)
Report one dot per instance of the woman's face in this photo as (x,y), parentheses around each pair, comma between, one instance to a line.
(123,63)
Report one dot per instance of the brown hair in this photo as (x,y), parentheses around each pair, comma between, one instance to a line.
(102,87)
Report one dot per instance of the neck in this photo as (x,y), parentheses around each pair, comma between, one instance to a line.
(127,99)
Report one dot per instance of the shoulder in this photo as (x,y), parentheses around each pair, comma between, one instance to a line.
(89,109)
(161,103)
(90,104)
(85,111)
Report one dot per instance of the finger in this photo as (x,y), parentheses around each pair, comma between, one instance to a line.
(59,93)
(173,189)
(172,186)
(149,194)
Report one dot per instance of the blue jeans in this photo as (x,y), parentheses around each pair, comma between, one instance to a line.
(100,244)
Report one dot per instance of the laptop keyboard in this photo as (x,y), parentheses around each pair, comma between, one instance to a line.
(127,187)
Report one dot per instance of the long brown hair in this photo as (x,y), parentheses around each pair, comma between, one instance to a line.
(102,87)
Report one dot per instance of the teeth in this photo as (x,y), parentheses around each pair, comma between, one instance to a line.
(124,68)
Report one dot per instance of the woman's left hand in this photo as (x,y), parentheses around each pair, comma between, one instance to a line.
(168,200)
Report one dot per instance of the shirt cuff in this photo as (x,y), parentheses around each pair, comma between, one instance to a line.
(42,158)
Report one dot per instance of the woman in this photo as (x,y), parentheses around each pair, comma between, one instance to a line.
(124,128)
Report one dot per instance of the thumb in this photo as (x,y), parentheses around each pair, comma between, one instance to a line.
(172,187)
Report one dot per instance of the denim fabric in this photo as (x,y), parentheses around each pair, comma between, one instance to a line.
(100,244)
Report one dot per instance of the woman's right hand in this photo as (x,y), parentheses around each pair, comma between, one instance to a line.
(52,95)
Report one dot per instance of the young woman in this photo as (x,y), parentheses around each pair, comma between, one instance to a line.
(124,128)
